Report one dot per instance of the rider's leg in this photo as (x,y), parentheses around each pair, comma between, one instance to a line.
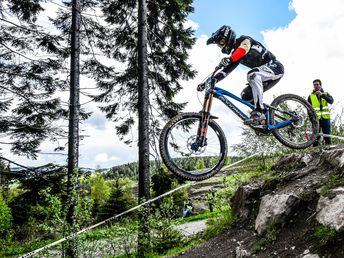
(254,78)
(257,76)
(247,94)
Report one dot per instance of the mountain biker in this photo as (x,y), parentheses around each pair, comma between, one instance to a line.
(265,71)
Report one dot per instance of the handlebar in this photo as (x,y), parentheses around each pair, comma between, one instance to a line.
(209,81)
(216,69)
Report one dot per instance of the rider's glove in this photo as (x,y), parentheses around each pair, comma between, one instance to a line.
(201,86)
(226,61)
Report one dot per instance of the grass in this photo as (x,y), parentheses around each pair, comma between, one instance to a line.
(324,234)
(217,225)
(197,217)
(17,249)
(334,180)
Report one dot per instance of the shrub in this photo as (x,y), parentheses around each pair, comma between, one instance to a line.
(121,199)
(164,233)
(5,220)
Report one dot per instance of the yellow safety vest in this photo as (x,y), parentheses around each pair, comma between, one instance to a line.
(321,113)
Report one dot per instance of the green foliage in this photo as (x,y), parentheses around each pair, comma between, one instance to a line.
(163,182)
(228,161)
(119,237)
(39,196)
(100,190)
(324,234)
(218,224)
(200,164)
(165,236)
(121,199)
(44,218)
(5,221)
(334,180)
(199,216)
(16,249)
(84,212)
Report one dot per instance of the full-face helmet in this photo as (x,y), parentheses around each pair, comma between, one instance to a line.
(224,37)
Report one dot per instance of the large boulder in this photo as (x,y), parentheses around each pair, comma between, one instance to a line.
(275,209)
(245,199)
(330,209)
(333,157)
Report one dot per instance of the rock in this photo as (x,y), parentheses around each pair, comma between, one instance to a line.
(334,157)
(244,199)
(331,209)
(275,209)
(311,256)
(292,162)
(241,253)
(200,207)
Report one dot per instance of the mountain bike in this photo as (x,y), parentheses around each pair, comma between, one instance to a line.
(194,147)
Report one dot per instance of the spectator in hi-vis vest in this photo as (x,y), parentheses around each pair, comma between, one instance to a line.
(319,99)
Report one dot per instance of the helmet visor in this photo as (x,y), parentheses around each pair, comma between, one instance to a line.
(221,43)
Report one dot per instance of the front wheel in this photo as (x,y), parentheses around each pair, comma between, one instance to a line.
(304,127)
(177,147)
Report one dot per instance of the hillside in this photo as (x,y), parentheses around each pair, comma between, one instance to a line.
(297,212)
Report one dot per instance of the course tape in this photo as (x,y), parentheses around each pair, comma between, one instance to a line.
(332,136)
(102,222)
(121,214)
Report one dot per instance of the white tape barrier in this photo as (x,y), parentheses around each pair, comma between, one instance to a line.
(119,215)
(332,136)
(103,222)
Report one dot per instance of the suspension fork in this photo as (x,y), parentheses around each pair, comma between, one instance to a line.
(203,125)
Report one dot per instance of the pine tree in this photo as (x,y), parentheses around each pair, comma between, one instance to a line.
(30,59)
(168,42)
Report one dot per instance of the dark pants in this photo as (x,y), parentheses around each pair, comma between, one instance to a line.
(325,128)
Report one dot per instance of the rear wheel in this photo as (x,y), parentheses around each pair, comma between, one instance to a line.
(303,130)
(177,141)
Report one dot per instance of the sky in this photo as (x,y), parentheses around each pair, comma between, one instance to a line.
(305,35)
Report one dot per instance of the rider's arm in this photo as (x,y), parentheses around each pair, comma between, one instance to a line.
(327,97)
(241,51)
(235,57)
(225,71)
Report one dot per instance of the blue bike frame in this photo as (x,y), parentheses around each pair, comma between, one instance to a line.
(221,94)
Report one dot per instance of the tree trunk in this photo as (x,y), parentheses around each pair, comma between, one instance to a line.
(73,134)
(143,112)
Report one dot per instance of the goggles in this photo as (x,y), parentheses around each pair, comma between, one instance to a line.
(221,43)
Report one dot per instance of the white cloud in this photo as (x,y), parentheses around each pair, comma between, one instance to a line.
(191,24)
(104,158)
(310,47)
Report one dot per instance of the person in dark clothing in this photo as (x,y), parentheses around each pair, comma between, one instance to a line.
(265,71)
(319,99)
(211,199)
